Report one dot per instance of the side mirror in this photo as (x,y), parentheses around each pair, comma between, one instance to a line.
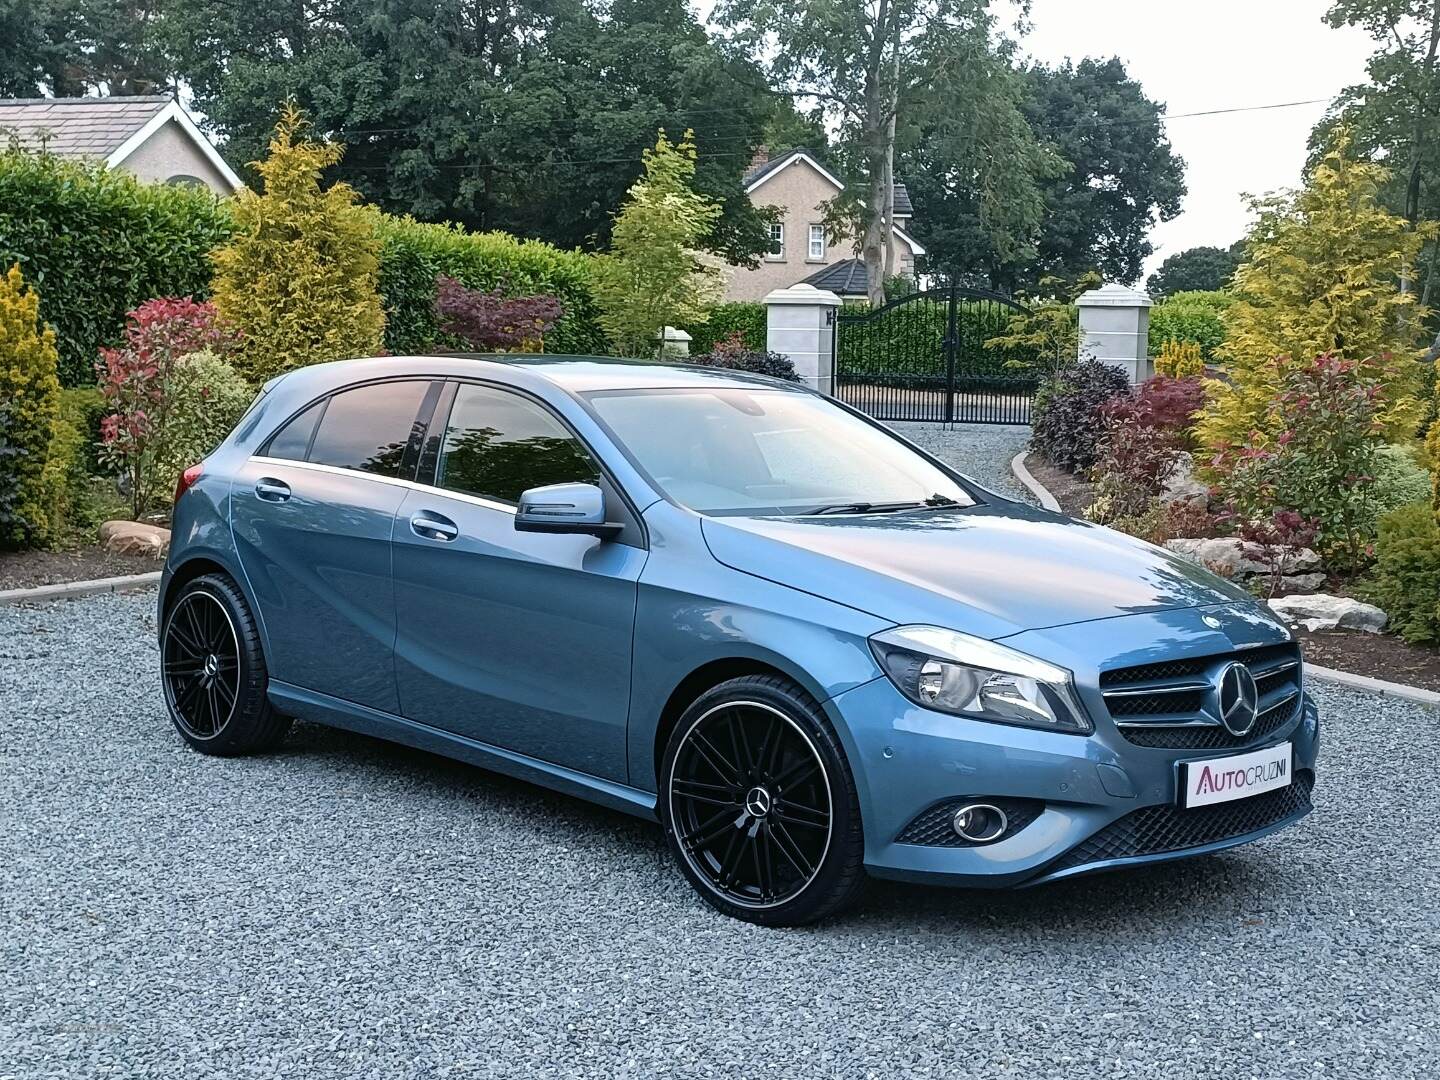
(565,508)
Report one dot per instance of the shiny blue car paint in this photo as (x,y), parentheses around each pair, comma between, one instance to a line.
(560,670)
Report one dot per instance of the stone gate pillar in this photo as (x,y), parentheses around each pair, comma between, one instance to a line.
(1115,329)
(800,324)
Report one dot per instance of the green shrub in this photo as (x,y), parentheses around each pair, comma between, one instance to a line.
(30,391)
(12,458)
(1406,578)
(1190,316)
(207,397)
(1398,480)
(414,254)
(98,243)
(743,317)
(84,407)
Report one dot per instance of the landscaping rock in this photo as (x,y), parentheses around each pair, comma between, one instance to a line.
(1239,559)
(135,538)
(1182,487)
(1302,583)
(1321,611)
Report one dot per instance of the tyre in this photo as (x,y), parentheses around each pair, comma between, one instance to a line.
(213,671)
(759,805)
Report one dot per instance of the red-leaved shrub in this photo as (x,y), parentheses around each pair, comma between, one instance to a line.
(491,320)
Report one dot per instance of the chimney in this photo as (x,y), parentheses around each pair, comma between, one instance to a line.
(762,156)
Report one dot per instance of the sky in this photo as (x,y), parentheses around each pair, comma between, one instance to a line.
(1218,54)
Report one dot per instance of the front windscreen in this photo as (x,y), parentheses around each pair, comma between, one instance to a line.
(743,452)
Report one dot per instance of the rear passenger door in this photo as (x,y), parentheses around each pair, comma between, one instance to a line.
(519,640)
(312,514)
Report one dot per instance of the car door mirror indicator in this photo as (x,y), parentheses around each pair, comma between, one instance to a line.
(565,508)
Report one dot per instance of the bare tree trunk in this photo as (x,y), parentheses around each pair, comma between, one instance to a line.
(892,104)
(876,136)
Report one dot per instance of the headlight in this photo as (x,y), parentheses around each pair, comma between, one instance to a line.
(969,676)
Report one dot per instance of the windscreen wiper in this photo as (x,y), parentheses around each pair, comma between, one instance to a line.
(934,502)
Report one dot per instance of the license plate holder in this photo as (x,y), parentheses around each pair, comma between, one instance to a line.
(1209,781)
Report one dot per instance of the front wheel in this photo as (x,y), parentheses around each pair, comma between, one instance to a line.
(759,805)
(213,671)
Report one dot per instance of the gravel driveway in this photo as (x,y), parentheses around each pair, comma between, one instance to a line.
(980,451)
(346,908)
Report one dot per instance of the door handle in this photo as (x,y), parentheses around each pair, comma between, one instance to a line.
(432,526)
(272,490)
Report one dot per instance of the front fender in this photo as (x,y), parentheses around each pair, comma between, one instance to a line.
(693,611)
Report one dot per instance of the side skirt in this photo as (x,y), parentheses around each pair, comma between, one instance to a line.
(323,709)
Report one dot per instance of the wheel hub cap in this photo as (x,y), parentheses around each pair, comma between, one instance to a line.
(757,802)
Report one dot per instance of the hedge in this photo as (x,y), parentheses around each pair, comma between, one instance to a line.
(743,317)
(95,243)
(906,345)
(412,253)
(1190,316)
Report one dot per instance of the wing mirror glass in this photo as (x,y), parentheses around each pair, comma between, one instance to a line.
(565,508)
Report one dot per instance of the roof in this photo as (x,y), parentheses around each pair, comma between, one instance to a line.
(107,129)
(844,278)
(758,174)
(78,127)
(575,374)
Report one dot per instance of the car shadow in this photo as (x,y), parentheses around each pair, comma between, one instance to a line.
(1203,890)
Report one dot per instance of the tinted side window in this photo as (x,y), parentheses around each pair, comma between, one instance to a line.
(293,440)
(368,428)
(498,444)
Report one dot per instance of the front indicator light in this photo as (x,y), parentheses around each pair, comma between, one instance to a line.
(968,676)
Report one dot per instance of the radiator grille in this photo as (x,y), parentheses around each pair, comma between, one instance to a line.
(1180,690)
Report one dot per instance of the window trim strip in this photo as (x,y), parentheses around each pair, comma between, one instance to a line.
(411,485)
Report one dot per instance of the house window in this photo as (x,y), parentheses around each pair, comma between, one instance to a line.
(817,241)
(777,240)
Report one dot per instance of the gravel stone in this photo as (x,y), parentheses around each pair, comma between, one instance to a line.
(348,908)
(981,451)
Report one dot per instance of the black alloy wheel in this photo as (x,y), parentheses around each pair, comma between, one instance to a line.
(201,665)
(760,806)
(213,671)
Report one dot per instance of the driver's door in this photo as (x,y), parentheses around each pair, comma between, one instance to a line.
(519,640)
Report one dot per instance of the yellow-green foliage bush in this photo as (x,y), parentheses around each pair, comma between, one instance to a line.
(1321,277)
(1180,360)
(300,278)
(30,392)
(1191,316)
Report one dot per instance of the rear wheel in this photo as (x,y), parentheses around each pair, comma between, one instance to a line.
(213,671)
(759,805)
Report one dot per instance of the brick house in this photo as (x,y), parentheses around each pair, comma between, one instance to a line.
(796,182)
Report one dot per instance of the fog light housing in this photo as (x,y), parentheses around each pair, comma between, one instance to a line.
(980,823)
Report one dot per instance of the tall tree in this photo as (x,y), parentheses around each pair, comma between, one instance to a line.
(1395,116)
(1097,151)
(976,172)
(68,48)
(654,275)
(1197,269)
(864,62)
(1123,175)
(524,115)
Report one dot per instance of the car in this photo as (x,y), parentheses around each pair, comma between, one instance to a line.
(810,649)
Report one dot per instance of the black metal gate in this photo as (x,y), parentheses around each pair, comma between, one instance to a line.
(924,357)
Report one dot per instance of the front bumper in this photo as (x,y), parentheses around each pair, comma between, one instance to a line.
(1107,802)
